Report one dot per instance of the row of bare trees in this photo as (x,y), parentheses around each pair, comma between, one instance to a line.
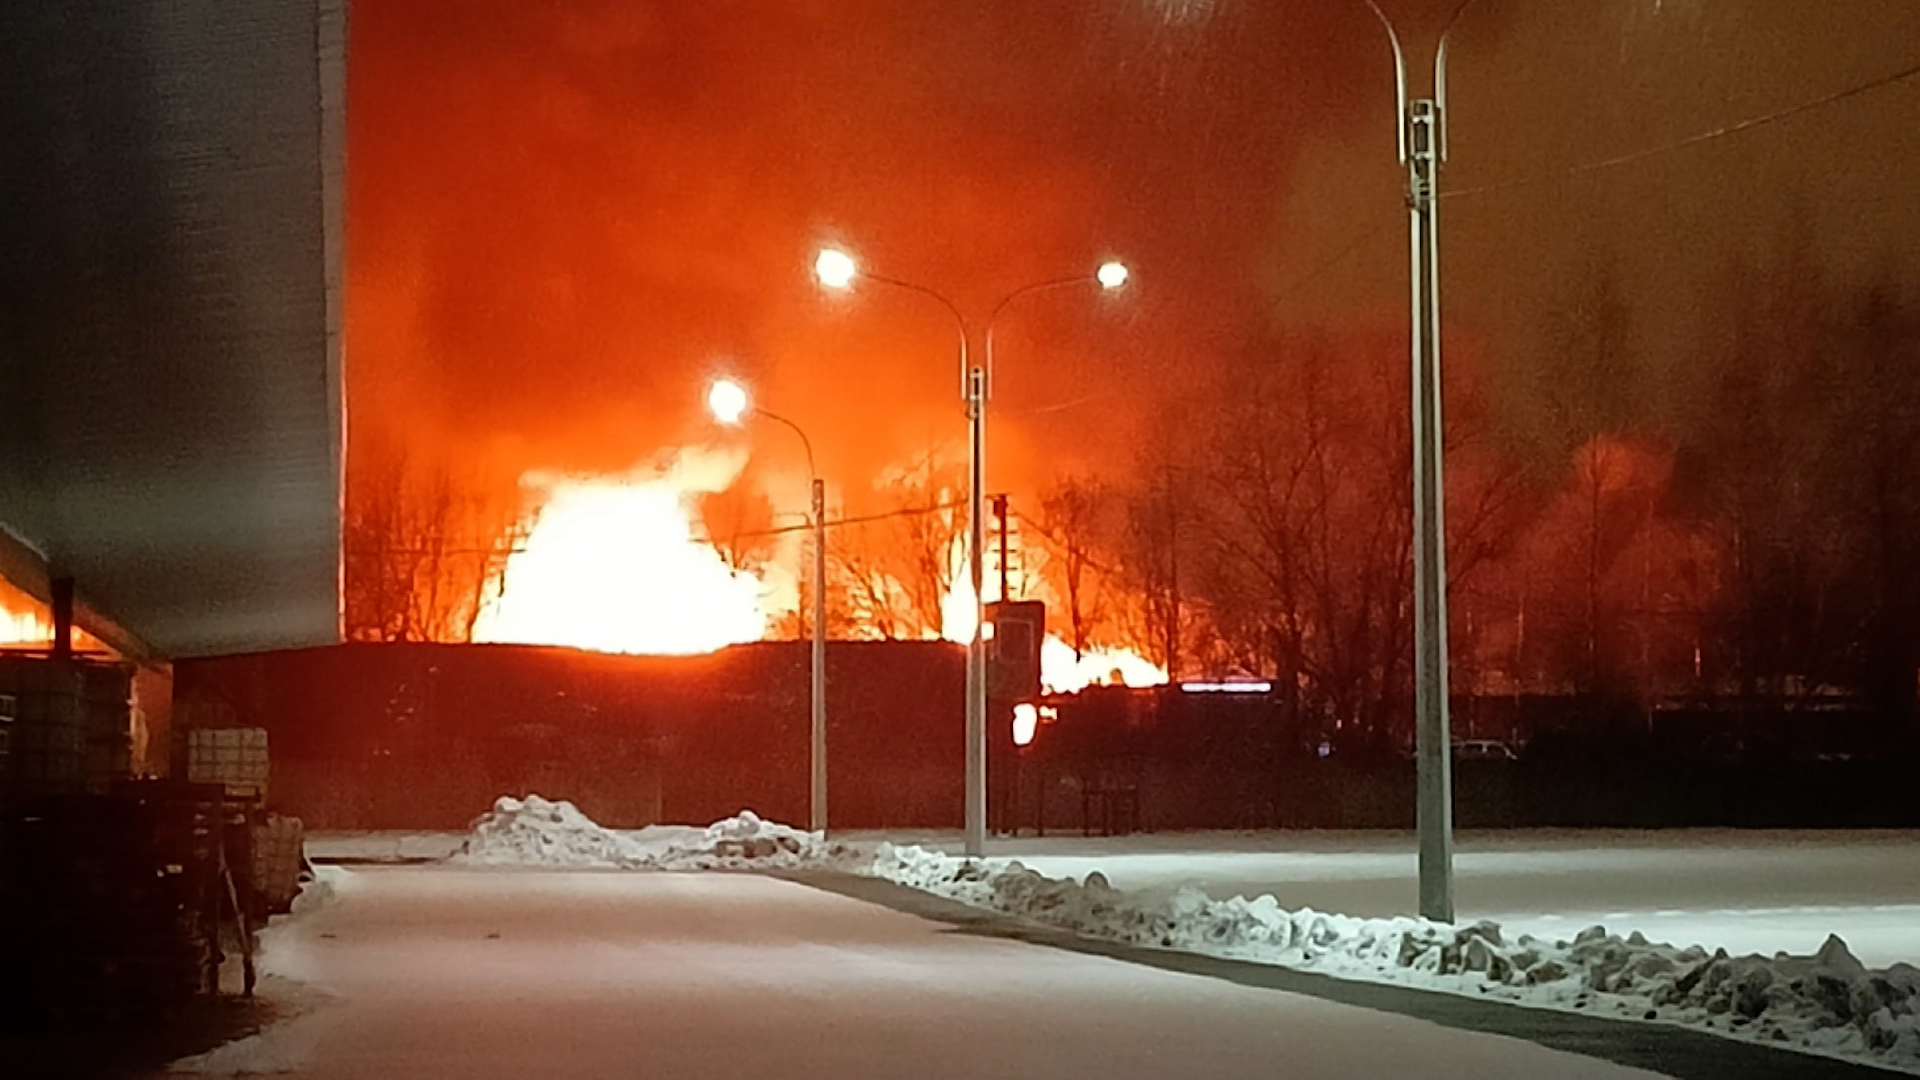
(1752,530)
(1750,526)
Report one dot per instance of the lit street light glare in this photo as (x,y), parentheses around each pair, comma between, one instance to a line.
(1112,275)
(727,400)
(835,268)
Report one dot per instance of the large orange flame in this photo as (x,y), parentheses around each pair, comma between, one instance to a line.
(1061,670)
(617,564)
(26,623)
(613,564)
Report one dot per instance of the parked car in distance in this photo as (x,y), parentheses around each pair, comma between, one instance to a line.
(1484,750)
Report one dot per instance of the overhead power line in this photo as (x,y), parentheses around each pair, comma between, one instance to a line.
(834,523)
(1736,128)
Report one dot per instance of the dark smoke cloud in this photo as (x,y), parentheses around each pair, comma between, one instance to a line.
(564,218)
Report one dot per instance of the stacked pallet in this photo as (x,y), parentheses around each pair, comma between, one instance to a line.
(279,858)
(48,739)
(113,909)
(235,758)
(106,720)
(71,727)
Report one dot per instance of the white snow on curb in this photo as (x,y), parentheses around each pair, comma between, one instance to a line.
(1827,1003)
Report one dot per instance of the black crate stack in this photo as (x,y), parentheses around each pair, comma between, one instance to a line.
(113,904)
(111,890)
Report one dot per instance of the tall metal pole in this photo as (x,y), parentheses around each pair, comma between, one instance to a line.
(976,816)
(973,392)
(817,676)
(818,803)
(1423,143)
(1433,740)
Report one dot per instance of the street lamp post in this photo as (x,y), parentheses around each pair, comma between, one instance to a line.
(730,403)
(837,270)
(1423,146)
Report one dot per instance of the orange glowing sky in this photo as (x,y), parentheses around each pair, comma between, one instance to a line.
(563,219)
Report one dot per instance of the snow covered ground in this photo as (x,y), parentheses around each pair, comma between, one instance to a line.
(1761,892)
(1825,1000)
(1746,892)
(464,971)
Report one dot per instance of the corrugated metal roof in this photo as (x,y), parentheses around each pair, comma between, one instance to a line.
(170,369)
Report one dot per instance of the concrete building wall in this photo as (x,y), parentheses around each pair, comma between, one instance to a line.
(170,312)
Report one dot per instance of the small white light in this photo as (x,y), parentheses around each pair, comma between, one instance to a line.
(835,268)
(1226,687)
(727,400)
(1112,275)
(1026,719)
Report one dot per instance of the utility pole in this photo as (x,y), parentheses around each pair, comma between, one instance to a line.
(730,404)
(1000,513)
(976,779)
(818,803)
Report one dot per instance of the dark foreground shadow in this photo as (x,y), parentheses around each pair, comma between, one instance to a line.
(125,1048)
(1660,1048)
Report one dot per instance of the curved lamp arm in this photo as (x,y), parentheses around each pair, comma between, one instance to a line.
(1027,290)
(959,320)
(1439,72)
(812,473)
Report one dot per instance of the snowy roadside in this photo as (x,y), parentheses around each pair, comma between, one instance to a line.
(1827,1003)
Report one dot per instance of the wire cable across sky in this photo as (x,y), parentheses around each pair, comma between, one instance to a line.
(1736,128)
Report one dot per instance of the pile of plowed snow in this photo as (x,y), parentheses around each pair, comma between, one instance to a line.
(536,832)
(1829,1002)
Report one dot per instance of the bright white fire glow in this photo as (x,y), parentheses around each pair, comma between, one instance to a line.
(26,623)
(1063,673)
(23,628)
(958,613)
(616,564)
(613,564)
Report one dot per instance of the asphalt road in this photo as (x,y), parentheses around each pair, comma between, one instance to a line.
(434,971)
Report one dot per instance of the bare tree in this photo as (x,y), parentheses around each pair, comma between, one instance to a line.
(894,569)
(1078,525)
(423,551)
(1156,529)
(739,524)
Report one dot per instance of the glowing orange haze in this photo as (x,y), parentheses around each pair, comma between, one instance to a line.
(616,563)
(564,219)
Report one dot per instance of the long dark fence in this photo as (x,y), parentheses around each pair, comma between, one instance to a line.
(426,736)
